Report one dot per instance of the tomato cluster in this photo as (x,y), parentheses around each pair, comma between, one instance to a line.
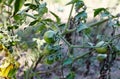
(101,50)
(51,50)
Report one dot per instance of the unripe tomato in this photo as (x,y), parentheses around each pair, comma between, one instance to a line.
(100,48)
(50,60)
(49,49)
(101,57)
(49,37)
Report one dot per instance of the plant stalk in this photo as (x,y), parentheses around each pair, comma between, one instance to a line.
(68,19)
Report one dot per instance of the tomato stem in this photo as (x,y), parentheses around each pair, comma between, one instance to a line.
(68,19)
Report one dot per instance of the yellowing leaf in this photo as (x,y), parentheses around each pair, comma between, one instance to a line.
(7,63)
(4,71)
(4,51)
(7,53)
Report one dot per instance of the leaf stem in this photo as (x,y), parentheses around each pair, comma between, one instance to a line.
(65,40)
(69,18)
(81,56)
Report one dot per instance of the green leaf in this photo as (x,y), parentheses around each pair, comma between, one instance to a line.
(57,17)
(17,17)
(33,22)
(81,15)
(31,6)
(87,31)
(98,10)
(42,9)
(71,75)
(12,27)
(0,1)
(1,36)
(81,27)
(118,24)
(39,27)
(18,5)
(68,61)
(10,2)
(12,72)
(79,5)
(73,1)
(48,20)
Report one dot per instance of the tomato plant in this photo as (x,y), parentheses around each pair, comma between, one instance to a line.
(73,44)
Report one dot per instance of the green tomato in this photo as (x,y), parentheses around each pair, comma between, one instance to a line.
(101,57)
(50,59)
(49,37)
(100,48)
(58,56)
(49,49)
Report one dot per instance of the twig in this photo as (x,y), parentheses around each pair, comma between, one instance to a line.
(37,62)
